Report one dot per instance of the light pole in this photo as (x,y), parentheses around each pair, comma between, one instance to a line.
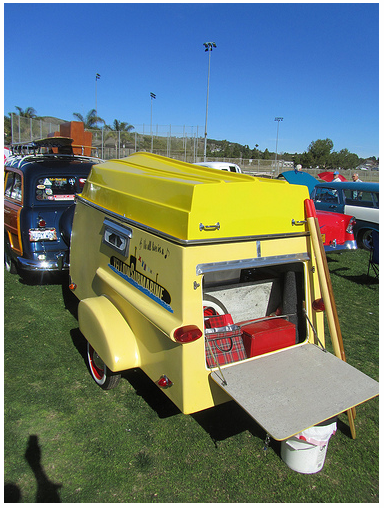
(208,47)
(153,96)
(97,77)
(278,119)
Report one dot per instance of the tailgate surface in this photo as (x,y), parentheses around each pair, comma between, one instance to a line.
(292,390)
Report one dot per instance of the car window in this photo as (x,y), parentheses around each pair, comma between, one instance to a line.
(13,186)
(360,198)
(57,188)
(326,195)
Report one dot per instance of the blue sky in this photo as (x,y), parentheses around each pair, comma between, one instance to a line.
(315,65)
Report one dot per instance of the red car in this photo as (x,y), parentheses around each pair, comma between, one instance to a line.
(337,231)
(336,228)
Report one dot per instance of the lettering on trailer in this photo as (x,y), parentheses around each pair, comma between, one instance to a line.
(141,282)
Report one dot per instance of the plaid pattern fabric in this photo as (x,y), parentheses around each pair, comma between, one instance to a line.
(218,321)
(227,347)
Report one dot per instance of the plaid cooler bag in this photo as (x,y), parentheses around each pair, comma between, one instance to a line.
(224,345)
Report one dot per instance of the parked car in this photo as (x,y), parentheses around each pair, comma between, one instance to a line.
(336,228)
(39,189)
(360,199)
(224,166)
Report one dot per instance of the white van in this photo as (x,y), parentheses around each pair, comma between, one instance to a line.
(224,166)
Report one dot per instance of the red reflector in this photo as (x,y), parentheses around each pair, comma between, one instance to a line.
(318,305)
(164,382)
(72,286)
(42,223)
(187,333)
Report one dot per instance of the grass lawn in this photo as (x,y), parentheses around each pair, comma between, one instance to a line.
(67,440)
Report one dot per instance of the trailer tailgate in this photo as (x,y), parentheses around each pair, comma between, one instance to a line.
(291,390)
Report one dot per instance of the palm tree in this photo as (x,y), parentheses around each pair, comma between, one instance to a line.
(91,119)
(120,126)
(27,112)
(118,130)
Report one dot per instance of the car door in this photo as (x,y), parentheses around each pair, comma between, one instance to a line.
(328,199)
(13,203)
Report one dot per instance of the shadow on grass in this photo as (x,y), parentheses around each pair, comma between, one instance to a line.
(220,422)
(150,393)
(80,344)
(362,279)
(47,491)
(43,278)
(229,419)
(71,302)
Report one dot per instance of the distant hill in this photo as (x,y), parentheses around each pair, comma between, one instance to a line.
(52,119)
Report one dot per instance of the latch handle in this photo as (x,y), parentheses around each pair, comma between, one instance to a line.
(298,222)
(213,227)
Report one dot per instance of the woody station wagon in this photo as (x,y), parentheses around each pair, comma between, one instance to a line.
(39,189)
(190,274)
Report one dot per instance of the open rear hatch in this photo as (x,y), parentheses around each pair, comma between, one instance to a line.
(294,389)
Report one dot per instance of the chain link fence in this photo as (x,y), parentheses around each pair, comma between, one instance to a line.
(177,142)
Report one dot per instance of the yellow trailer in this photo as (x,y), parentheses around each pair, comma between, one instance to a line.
(159,247)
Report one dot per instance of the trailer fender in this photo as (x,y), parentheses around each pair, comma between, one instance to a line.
(108,333)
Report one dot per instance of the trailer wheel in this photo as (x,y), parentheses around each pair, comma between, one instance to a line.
(99,371)
(211,301)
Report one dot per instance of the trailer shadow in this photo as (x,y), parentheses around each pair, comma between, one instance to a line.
(229,419)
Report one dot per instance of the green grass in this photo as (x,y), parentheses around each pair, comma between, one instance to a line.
(132,445)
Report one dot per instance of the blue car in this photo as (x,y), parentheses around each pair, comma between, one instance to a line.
(39,191)
(359,199)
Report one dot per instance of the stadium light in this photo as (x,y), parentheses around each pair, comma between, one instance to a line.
(153,96)
(278,119)
(208,47)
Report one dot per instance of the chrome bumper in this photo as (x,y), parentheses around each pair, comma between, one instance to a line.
(343,246)
(50,265)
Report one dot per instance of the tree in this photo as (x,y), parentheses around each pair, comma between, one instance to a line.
(91,119)
(118,130)
(266,155)
(27,112)
(120,126)
(320,152)
(7,130)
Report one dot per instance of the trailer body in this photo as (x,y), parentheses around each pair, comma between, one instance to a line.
(156,242)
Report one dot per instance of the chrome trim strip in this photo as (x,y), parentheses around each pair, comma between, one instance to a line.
(251,263)
(186,243)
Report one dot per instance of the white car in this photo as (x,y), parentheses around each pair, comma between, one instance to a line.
(224,166)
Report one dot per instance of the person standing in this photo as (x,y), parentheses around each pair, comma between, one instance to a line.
(336,177)
(356,194)
(355,177)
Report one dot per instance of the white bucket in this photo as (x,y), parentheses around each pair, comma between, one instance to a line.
(304,456)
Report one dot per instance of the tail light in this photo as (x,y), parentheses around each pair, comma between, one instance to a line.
(188,333)
(352,223)
(164,382)
(42,223)
(318,305)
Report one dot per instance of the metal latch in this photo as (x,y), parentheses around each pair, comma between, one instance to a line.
(298,222)
(213,227)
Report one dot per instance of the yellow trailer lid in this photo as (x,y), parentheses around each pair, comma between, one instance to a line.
(192,202)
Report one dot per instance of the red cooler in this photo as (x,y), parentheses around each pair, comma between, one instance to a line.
(268,335)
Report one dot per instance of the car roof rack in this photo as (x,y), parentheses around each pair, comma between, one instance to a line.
(63,145)
(34,150)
